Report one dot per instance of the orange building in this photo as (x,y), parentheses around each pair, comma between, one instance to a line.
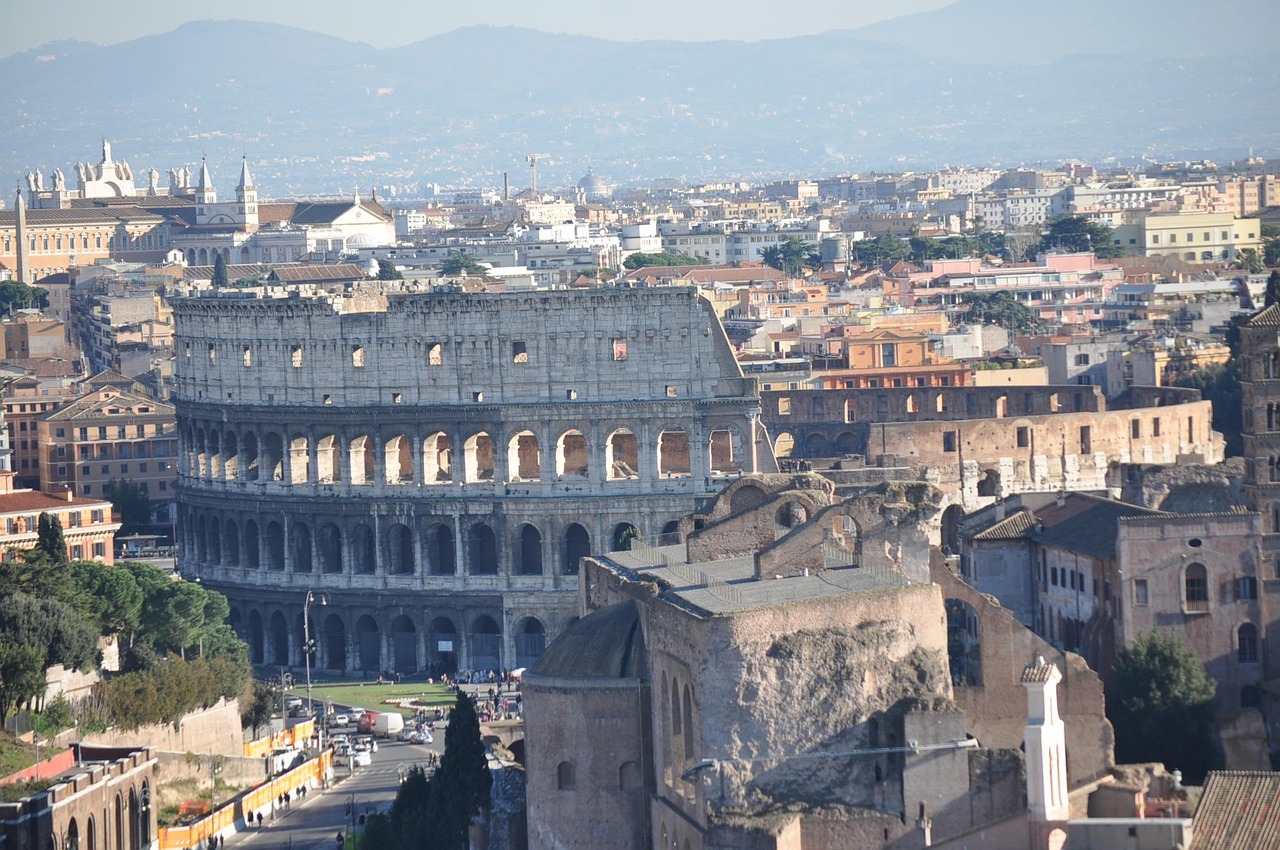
(889,358)
(87,524)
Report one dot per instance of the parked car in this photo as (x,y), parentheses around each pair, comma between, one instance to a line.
(341,720)
(293,702)
(361,757)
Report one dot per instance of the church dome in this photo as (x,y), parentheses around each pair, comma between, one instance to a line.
(593,185)
(606,644)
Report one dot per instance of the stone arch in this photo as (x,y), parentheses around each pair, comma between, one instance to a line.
(478,458)
(278,629)
(964,643)
(952,518)
(214,443)
(566,776)
(784,445)
(622,455)
(674,460)
(330,545)
(328,459)
(401,550)
(272,457)
(441,554)
(686,705)
(230,456)
(530,641)
(360,458)
(398,460)
(244,255)
(989,483)
(529,551)
(792,514)
(630,777)
(572,455)
(725,450)
(577,545)
(231,542)
(274,540)
(747,497)
(249,457)
(368,643)
(524,459)
(72,841)
(364,551)
(404,645)
(252,545)
(482,550)
(623,534)
(816,445)
(443,647)
(214,542)
(670,533)
(203,256)
(201,542)
(255,637)
(1195,588)
(846,443)
(333,639)
(301,545)
(486,644)
(299,459)
(437,451)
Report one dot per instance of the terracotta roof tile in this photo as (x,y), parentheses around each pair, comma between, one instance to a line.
(26,501)
(1240,809)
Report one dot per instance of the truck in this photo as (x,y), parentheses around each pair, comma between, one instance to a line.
(365,724)
(388,724)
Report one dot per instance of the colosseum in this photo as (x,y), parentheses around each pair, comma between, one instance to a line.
(435,463)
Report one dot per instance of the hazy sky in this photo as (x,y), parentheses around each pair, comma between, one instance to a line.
(390,23)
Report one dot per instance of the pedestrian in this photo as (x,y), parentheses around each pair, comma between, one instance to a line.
(259,820)
(340,841)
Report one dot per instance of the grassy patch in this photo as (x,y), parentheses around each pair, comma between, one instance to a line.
(371,696)
(15,792)
(14,755)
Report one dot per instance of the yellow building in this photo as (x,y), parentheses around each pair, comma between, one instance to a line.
(1197,237)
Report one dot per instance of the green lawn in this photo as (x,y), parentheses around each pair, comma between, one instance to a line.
(15,756)
(370,696)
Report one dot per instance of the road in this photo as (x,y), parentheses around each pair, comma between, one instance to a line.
(316,822)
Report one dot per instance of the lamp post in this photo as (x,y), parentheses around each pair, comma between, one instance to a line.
(308,648)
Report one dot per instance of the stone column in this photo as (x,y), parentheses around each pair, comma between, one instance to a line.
(313,457)
(753,436)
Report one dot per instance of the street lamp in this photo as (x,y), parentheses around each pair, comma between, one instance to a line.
(308,648)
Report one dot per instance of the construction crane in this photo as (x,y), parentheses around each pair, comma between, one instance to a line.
(533,170)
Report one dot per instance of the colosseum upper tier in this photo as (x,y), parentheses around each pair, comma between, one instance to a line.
(432,465)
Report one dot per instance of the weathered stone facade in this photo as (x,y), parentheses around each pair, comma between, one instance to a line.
(438,462)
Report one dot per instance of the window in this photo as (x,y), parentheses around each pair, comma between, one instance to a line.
(124,469)
(671,391)
(328,399)
(619,348)
(1082,360)
(1247,643)
(99,550)
(1155,427)
(357,356)
(246,356)
(1086,439)
(60,432)
(435,354)
(520,354)
(77,552)
(213,353)
(1024,436)
(1196,586)
(565,779)
(477,397)
(888,354)
(295,356)
(1135,428)
(948,441)
(784,406)
(1246,588)
(1053,576)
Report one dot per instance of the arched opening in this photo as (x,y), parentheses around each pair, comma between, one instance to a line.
(249,457)
(478,458)
(333,639)
(252,546)
(299,459)
(726,452)
(629,776)
(747,497)
(441,557)
(230,457)
(273,457)
(529,551)
(530,640)
(360,453)
(784,445)
(275,546)
(364,552)
(73,835)
(964,647)
(989,483)
(486,644)
(622,455)
(398,460)
(201,540)
(301,547)
(571,455)
(256,637)
(443,647)
(673,454)
(1196,588)
(670,534)
(687,710)
(951,519)
(368,643)
(401,550)
(577,545)
(816,445)
(328,459)
(436,451)
(482,550)
(566,778)
(330,544)
(524,459)
(623,534)
(404,645)
(1247,643)
(846,444)
(215,456)
(279,631)
(231,542)
(791,514)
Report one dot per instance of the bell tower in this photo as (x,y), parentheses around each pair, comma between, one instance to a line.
(246,200)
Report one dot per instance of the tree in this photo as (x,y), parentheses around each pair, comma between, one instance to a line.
(49,539)
(132,502)
(885,247)
(792,256)
(1270,245)
(1220,385)
(110,597)
(21,675)
(387,271)
(18,296)
(1000,308)
(1078,233)
(640,259)
(1249,261)
(1161,704)
(219,270)
(58,629)
(257,709)
(463,782)
(1273,288)
(461,263)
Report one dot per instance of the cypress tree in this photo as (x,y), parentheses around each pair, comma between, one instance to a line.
(220,271)
(460,788)
(49,539)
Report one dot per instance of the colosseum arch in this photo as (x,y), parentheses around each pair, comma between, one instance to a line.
(482,550)
(524,460)
(274,545)
(278,630)
(299,459)
(746,497)
(272,457)
(214,542)
(214,443)
(249,457)
(404,645)
(436,457)
(230,457)
(255,637)
(989,483)
(330,546)
(201,535)
(360,454)
(401,550)
(443,647)
(622,455)
(236,621)
(231,543)
(478,458)
(252,545)
(398,460)
(368,643)
(530,641)
(328,459)
(364,551)
(572,455)
(333,640)
(784,445)
(816,445)
(201,453)
(577,545)
(725,447)
(673,454)
(486,644)
(670,533)
(441,552)
(301,545)
(529,551)
(623,534)
(846,443)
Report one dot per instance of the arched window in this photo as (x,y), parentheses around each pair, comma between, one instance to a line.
(565,778)
(1247,640)
(1196,587)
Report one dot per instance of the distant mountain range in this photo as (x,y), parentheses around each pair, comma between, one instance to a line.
(977,82)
